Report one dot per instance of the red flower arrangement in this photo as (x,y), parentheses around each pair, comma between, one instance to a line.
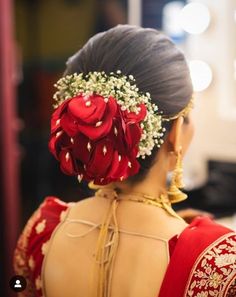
(102,125)
(95,139)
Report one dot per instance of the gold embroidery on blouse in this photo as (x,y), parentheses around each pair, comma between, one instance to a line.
(214,270)
(31,263)
(225,259)
(44,248)
(40,226)
(38,283)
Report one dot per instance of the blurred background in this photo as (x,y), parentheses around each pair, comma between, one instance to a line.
(36,39)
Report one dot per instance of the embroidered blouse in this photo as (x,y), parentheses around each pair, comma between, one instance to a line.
(202,258)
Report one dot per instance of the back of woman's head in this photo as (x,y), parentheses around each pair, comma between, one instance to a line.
(158,66)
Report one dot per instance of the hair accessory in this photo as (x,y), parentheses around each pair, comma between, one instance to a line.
(174,192)
(101,125)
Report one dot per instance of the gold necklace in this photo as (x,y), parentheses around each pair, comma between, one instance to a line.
(162,202)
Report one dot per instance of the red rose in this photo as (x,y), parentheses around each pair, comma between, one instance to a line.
(59,140)
(67,163)
(101,159)
(125,135)
(56,116)
(93,138)
(123,167)
(132,117)
(90,115)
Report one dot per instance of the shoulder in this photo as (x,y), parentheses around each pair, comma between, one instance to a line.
(214,269)
(44,219)
(32,243)
(203,262)
(201,233)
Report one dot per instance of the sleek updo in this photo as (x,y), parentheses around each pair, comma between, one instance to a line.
(158,66)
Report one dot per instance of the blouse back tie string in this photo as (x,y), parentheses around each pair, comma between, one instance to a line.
(108,238)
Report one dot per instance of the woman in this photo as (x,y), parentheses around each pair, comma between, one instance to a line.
(122,122)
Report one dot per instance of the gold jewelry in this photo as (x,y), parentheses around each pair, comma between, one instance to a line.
(174,192)
(162,202)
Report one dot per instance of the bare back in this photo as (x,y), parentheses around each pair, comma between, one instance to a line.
(142,256)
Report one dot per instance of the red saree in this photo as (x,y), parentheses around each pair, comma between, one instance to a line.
(202,263)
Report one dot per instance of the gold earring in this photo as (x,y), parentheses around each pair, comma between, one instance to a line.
(174,192)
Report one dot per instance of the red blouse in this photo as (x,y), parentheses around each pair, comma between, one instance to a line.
(202,258)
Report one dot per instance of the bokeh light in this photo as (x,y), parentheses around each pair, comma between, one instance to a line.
(201,75)
(195,18)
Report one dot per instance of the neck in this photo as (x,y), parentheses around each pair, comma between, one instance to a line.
(146,187)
